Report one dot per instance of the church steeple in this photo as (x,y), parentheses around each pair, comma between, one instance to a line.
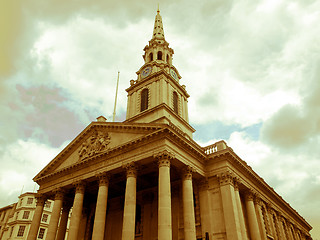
(158,32)
(156,95)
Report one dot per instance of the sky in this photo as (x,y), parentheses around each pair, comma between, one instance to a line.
(251,67)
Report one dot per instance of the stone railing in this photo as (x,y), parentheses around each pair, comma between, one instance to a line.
(221,145)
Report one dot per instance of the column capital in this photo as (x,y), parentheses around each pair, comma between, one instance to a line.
(187,172)
(58,194)
(226,178)
(103,178)
(164,155)
(40,198)
(249,195)
(236,182)
(80,186)
(131,169)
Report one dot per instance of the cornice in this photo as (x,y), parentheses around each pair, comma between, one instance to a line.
(231,156)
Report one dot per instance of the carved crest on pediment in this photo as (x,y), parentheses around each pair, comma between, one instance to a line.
(96,143)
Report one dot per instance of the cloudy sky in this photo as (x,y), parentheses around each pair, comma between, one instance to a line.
(252,69)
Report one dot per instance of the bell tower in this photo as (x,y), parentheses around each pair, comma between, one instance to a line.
(156,96)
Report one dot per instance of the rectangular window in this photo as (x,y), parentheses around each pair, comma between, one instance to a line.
(41,233)
(44,218)
(26,214)
(21,231)
(47,204)
(30,201)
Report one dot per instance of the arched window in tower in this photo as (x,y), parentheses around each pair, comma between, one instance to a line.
(175,103)
(167,58)
(159,57)
(151,57)
(144,99)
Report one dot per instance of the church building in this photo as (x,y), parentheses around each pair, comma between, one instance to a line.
(146,178)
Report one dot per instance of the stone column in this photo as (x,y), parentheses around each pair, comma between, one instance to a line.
(252,217)
(76,212)
(258,206)
(129,212)
(36,218)
(272,222)
(55,215)
(240,210)
(205,208)
(188,205)
(101,208)
(164,196)
(229,204)
(63,221)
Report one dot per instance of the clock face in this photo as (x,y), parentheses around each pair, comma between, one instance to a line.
(174,74)
(145,72)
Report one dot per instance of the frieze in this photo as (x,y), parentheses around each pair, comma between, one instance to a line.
(97,143)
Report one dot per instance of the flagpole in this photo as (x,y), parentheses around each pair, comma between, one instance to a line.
(115,100)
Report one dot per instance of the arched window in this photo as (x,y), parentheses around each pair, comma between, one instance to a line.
(175,103)
(144,99)
(167,58)
(151,57)
(159,55)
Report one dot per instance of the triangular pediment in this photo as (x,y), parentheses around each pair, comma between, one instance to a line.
(97,138)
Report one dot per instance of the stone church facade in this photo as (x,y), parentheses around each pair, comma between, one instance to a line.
(146,178)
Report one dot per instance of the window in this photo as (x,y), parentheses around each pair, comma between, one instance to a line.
(41,233)
(159,55)
(26,214)
(44,218)
(167,58)
(151,57)
(47,204)
(21,231)
(175,103)
(30,201)
(17,215)
(144,99)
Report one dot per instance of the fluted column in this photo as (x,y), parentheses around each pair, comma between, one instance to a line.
(252,217)
(76,212)
(129,212)
(229,204)
(188,205)
(101,208)
(240,210)
(36,218)
(164,196)
(258,205)
(55,215)
(63,220)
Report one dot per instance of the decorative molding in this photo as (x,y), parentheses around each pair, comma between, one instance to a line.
(103,179)
(131,169)
(59,194)
(80,186)
(226,178)
(95,144)
(164,158)
(41,199)
(187,172)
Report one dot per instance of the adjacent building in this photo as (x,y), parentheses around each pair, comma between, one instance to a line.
(146,178)
(15,219)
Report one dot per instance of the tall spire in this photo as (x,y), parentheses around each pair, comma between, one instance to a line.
(158,27)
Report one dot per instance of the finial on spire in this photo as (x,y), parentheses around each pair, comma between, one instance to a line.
(158,11)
